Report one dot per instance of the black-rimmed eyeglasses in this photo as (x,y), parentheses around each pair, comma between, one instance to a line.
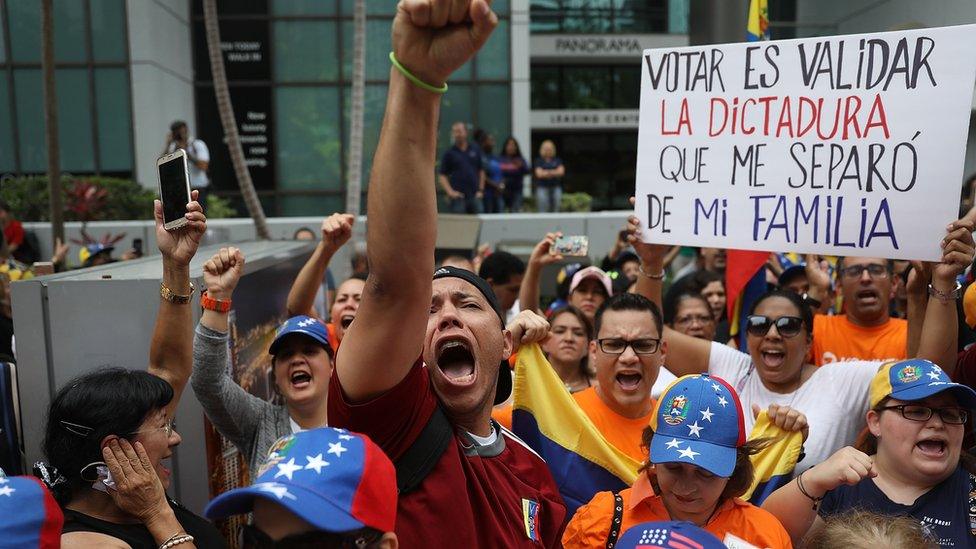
(917,412)
(617,346)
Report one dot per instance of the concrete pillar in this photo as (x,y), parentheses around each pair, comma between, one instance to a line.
(717,21)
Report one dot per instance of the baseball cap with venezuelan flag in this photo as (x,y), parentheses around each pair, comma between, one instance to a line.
(698,420)
(916,379)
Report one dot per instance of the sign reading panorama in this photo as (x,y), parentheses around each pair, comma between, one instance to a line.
(840,145)
(560,47)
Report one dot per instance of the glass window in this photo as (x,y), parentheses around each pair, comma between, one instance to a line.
(25,30)
(678,14)
(378,48)
(305,51)
(500,6)
(311,205)
(303,7)
(373,7)
(586,87)
(626,87)
(587,16)
(545,88)
(3,39)
(75,120)
(494,110)
(69,33)
(7,160)
(108,30)
(374,103)
(114,120)
(309,148)
(455,106)
(493,60)
(29,106)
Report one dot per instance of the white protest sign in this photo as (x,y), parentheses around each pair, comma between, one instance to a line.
(842,145)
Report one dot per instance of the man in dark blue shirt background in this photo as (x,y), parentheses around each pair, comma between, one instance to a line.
(461,174)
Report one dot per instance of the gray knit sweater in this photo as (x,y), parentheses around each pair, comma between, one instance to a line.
(250,423)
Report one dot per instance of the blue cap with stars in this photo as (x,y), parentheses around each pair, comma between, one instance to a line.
(916,379)
(304,325)
(336,480)
(668,534)
(698,420)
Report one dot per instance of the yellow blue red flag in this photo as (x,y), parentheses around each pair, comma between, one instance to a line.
(757,28)
(774,465)
(548,419)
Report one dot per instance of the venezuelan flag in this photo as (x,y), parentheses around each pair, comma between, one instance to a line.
(774,465)
(547,418)
(745,281)
(757,28)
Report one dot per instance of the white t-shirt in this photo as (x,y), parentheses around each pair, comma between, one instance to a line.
(835,399)
(196,148)
(664,378)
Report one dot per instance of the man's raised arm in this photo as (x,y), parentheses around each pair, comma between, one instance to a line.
(431,38)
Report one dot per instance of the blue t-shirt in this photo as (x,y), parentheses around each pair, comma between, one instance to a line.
(463,168)
(943,510)
(550,164)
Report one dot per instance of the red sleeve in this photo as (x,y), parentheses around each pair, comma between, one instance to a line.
(966,367)
(394,419)
(14,233)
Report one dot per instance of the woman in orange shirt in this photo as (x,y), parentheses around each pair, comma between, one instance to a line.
(699,465)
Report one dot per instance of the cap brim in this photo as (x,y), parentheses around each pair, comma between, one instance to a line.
(963,393)
(714,458)
(310,506)
(277,342)
(503,389)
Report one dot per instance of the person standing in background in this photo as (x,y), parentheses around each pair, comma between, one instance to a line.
(514,169)
(549,172)
(197,157)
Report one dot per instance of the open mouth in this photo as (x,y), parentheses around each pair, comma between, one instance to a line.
(867,297)
(629,381)
(346,320)
(456,361)
(932,447)
(300,379)
(773,358)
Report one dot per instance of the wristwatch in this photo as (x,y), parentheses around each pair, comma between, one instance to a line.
(168,295)
(813,303)
(945,297)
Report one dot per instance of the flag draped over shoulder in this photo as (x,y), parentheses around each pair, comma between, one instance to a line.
(548,419)
(774,465)
(745,281)
(757,27)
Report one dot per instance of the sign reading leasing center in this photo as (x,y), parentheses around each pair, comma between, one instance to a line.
(843,145)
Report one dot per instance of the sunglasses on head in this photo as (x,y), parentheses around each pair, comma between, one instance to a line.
(786,326)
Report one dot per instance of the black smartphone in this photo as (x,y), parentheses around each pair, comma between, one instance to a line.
(174,188)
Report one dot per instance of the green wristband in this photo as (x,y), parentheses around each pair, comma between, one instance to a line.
(416,81)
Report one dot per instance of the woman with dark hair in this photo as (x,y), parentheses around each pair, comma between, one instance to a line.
(567,347)
(514,169)
(694,475)
(774,368)
(909,461)
(692,316)
(109,431)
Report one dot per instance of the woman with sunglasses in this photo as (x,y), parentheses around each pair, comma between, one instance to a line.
(908,462)
(775,370)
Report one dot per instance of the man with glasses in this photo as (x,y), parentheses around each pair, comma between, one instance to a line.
(866,330)
(627,355)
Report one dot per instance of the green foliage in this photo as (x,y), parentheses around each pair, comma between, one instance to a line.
(576,202)
(219,208)
(28,198)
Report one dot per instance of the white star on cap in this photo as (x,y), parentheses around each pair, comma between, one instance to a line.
(336,449)
(306,322)
(722,401)
(716,386)
(6,491)
(274,488)
(316,463)
(3,480)
(287,468)
(693,429)
(707,414)
(934,375)
(673,443)
(688,453)
(345,437)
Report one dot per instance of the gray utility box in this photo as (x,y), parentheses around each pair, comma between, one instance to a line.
(70,323)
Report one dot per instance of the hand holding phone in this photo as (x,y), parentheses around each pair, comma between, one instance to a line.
(174,188)
(571,245)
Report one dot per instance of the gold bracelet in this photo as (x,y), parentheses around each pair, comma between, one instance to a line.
(168,295)
(660,276)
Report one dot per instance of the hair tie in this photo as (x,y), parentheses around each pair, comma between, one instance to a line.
(48,474)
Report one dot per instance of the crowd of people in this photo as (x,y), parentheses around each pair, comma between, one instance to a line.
(393,421)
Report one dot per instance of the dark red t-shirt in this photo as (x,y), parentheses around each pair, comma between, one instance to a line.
(499,495)
(14,233)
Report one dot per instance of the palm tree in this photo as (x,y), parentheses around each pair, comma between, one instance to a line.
(354,161)
(51,124)
(228,121)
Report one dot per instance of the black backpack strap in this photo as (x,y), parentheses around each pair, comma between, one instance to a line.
(618,516)
(417,462)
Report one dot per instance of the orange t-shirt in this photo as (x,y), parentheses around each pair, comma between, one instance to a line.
(624,433)
(835,338)
(503,415)
(735,520)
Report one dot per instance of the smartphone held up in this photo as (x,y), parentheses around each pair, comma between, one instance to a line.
(571,245)
(174,188)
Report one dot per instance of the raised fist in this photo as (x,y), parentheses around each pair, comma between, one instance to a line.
(336,230)
(222,272)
